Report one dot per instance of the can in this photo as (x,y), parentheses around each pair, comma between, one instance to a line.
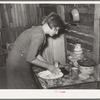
(74,72)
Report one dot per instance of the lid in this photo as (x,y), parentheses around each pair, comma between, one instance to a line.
(87,62)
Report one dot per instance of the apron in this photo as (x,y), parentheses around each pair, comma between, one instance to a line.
(19,73)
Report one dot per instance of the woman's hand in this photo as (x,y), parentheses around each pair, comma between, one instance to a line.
(54,70)
(63,66)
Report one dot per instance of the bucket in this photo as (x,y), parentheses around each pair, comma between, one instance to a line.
(75,15)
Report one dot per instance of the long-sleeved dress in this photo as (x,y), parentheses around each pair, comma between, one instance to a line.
(25,49)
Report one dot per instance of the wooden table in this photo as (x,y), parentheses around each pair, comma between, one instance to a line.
(67,82)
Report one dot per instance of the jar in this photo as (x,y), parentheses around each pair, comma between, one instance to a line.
(74,72)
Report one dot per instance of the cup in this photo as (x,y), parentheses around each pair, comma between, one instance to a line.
(74,72)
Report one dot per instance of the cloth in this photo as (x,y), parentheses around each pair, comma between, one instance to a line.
(24,50)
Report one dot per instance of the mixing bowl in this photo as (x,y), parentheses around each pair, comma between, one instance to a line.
(49,79)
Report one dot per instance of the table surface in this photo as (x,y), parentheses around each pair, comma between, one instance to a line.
(65,80)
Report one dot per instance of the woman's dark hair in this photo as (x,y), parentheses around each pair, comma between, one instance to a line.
(53,20)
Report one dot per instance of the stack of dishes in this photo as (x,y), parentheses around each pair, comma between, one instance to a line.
(78,52)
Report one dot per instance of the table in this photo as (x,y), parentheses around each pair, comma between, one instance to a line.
(67,82)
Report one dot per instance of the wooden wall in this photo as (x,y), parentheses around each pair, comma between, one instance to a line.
(15,18)
(83,33)
(19,15)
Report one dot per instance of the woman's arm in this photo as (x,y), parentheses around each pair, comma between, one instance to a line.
(39,61)
(41,58)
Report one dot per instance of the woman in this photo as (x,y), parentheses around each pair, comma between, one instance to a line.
(26,50)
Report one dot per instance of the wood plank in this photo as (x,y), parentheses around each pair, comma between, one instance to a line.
(96,33)
(23,15)
(86,19)
(0,21)
(28,14)
(72,39)
(36,14)
(4,22)
(78,35)
(8,8)
(16,24)
(31,18)
(19,14)
(33,13)
(13,16)
(96,40)
(6,15)
(83,29)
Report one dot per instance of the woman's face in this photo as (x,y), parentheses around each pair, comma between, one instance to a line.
(54,31)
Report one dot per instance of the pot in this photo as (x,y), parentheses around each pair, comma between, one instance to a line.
(86,66)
